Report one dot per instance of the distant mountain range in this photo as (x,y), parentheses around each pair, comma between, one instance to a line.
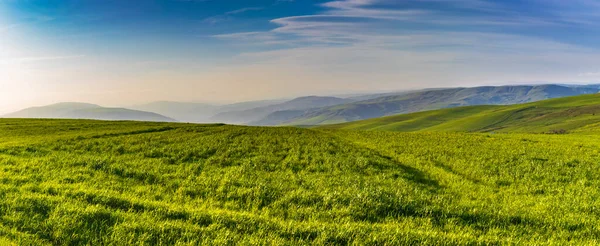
(252,116)
(314,110)
(87,111)
(201,112)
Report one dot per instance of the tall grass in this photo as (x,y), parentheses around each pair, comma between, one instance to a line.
(112,183)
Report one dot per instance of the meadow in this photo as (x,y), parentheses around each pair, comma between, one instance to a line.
(79,182)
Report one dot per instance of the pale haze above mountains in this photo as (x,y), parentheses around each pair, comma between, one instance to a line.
(311,110)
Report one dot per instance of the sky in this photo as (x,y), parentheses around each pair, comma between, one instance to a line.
(126,52)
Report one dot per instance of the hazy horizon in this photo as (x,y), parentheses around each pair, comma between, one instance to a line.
(275,99)
(119,53)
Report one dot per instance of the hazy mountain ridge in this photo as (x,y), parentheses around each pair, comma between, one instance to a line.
(313,110)
(87,111)
(200,112)
(434,99)
(182,111)
(252,116)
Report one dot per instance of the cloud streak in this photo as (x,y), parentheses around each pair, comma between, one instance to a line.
(243,10)
(47,58)
(228,15)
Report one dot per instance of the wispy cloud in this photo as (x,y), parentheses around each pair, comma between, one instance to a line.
(243,10)
(589,74)
(228,15)
(8,27)
(49,58)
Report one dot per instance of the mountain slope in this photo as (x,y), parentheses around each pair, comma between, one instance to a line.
(254,116)
(278,117)
(182,111)
(87,111)
(199,112)
(435,99)
(578,114)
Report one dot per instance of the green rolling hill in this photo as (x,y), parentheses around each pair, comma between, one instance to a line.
(431,100)
(578,113)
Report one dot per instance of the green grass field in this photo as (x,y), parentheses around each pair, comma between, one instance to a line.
(569,114)
(69,182)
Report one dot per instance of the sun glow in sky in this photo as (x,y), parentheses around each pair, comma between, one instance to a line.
(115,52)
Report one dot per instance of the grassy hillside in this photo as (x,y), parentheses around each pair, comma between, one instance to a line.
(574,114)
(87,111)
(435,99)
(76,182)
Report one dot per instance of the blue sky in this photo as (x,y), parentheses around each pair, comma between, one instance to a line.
(116,52)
